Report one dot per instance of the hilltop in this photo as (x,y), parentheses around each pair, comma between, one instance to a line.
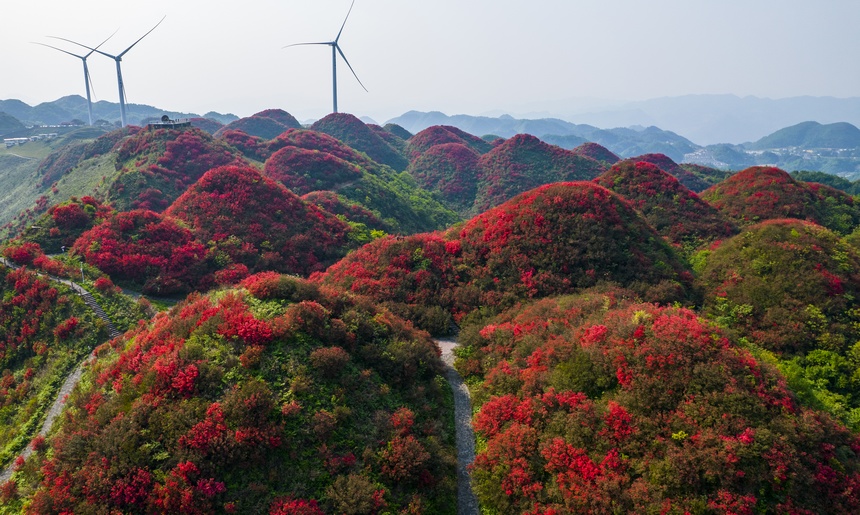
(764,193)
(555,239)
(677,213)
(274,397)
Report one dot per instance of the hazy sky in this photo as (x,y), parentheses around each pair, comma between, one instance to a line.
(455,56)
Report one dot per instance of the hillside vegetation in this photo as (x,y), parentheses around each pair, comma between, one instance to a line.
(630,346)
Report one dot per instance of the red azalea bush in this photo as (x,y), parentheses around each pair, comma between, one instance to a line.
(259,223)
(441,135)
(352,131)
(525,162)
(219,433)
(591,404)
(666,164)
(764,193)
(303,171)
(145,248)
(452,170)
(677,213)
(22,252)
(597,152)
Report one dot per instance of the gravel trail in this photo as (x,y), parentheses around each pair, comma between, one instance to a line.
(467,503)
(72,379)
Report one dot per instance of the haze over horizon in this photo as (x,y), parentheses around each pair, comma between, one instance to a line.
(473,58)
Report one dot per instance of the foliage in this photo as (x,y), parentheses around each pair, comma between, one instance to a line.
(65,222)
(764,193)
(792,287)
(670,417)
(44,332)
(212,408)
(834,181)
(313,159)
(555,239)
(597,152)
(452,170)
(677,213)
(352,131)
(303,171)
(523,163)
(443,134)
(237,212)
(265,124)
(341,207)
(663,162)
(156,166)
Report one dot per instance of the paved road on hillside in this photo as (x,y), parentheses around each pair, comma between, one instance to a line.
(467,503)
(73,378)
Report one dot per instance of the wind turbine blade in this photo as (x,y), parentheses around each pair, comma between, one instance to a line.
(100,44)
(60,49)
(84,46)
(141,37)
(344,22)
(300,44)
(350,66)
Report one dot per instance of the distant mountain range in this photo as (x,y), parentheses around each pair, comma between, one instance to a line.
(641,128)
(74,107)
(712,119)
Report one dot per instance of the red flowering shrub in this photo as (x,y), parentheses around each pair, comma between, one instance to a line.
(677,213)
(291,506)
(441,135)
(452,170)
(214,406)
(146,249)
(665,163)
(352,131)
(22,252)
(673,416)
(105,285)
(303,171)
(764,193)
(259,223)
(330,361)
(525,162)
(598,153)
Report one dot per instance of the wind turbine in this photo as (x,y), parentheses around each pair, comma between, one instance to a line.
(87,80)
(335,49)
(118,59)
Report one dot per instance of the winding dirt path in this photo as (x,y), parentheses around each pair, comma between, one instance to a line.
(467,503)
(72,379)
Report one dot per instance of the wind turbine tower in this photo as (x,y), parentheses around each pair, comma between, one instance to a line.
(118,59)
(335,50)
(87,80)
